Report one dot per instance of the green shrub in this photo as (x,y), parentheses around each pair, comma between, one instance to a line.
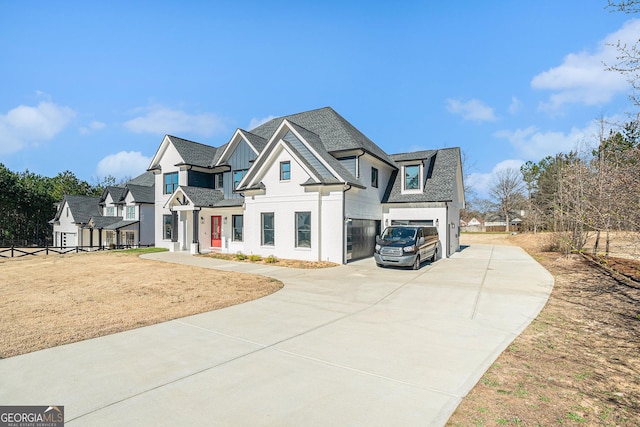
(254,258)
(240,256)
(271,259)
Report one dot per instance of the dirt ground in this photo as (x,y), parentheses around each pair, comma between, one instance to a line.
(59,299)
(578,363)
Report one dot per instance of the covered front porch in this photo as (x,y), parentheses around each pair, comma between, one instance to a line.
(202,221)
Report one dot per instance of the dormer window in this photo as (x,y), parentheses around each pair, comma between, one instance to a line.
(110,211)
(412,177)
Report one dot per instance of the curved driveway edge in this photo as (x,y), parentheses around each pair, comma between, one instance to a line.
(350,345)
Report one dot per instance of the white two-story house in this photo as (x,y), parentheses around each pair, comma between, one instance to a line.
(307,186)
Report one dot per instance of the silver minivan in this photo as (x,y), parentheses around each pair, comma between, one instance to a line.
(406,245)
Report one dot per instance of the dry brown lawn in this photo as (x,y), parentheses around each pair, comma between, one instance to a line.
(58,299)
(578,363)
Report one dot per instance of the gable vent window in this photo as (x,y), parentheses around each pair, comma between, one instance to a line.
(412,177)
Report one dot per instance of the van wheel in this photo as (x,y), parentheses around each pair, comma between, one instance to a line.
(380,265)
(416,264)
(435,255)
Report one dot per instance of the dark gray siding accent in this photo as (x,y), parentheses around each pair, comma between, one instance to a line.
(349,164)
(240,159)
(306,153)
(147,224)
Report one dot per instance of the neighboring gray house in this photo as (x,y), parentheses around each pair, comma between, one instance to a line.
(73,213)
(122,216)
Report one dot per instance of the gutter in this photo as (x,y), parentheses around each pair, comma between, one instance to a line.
(344,222)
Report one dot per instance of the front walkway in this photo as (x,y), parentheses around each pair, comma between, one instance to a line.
(351,345)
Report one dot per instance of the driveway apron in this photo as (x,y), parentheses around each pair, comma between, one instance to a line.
(353,345)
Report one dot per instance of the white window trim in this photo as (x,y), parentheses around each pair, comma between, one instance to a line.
(420,178)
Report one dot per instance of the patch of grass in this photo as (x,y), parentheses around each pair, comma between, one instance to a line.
(490,382)
(583,376)
(575,417)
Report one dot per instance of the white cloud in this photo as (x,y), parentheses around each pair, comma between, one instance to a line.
(94,126)
(534,144)
(123,164)
(473,109)
(515,105)
(161,120)
(255,122)
(481,182)
(582,77)
(26,126)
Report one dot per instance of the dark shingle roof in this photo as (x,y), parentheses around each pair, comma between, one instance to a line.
(203,197)
(116,193)
(147,179)
(336,133)
(141,193)
(193,153)
(441,176)
(81,207)
(104,221)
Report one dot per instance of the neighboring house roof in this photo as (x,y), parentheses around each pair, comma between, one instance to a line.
(120,224)
(82,208)
(147,179)
(336,133)
(193,153)
(102,221)
(440,183)
(116,193)
(140,193)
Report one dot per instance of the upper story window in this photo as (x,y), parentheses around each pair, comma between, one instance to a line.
(285,171)
(131,212)
(374,177)
(218,181)
(110,211)
(237,177)
(170,182)
(412,177)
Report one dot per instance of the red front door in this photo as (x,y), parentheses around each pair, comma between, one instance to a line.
(216,231)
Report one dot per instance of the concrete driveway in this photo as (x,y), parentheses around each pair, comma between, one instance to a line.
(348,346)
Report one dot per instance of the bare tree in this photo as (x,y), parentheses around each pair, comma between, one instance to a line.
(628,55)
(507,191)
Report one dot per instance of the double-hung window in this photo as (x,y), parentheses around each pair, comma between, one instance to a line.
(303,229)
(131,212)
(285,171)
(218,181)
(110,211)
(170,182)
(238,221)
(167,226)
(268,229)
(412,177)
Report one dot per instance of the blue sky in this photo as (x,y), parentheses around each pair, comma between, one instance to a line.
(92,87)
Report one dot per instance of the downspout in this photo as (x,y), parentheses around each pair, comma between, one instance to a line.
(358,165)
(344,223)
